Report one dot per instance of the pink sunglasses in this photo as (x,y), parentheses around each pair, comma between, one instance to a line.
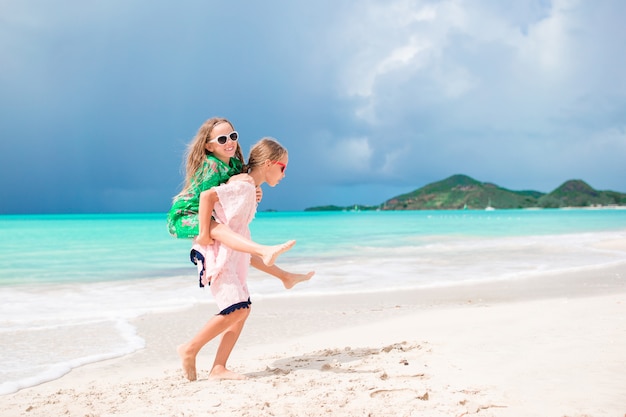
(282,166)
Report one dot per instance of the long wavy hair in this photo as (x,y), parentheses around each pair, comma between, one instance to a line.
(196,150)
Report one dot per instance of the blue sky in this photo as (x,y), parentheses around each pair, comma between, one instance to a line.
(372,98)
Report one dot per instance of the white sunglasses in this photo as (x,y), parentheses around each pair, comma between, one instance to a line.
(223,139)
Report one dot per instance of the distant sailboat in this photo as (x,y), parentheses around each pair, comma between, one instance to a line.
(489,208)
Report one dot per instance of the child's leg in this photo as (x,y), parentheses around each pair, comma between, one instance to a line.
(229,338)
(211,329)
(235,241)
(289,279)
(208,199)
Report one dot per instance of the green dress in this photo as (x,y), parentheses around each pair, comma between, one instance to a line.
(182,219)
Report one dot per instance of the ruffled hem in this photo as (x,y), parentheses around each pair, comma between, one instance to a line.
(234,307)
(198,259)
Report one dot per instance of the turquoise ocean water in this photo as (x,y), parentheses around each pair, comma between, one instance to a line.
(83,278)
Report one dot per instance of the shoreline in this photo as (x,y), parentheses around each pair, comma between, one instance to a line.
(544,347)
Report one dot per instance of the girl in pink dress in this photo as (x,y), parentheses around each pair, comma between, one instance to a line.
(227,269)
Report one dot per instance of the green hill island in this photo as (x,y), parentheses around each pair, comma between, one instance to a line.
(460,192)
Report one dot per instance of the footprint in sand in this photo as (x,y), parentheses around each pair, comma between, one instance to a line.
(400,394)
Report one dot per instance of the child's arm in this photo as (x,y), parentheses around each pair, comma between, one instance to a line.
(208,198)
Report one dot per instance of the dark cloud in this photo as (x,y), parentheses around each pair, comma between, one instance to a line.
(372,98)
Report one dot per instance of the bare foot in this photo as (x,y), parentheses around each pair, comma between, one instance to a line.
(189,363)
(272,252)
(292,279)
(219,372)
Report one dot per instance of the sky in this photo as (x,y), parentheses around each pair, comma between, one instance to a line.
(372,98)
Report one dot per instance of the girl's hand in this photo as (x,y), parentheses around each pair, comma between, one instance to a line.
(259,194)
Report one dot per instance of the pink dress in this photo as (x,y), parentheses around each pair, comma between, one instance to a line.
(226,270)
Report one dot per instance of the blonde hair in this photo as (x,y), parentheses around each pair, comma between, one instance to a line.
(196,150)
(266,148)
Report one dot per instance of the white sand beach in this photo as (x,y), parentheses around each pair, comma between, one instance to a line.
(536,347)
